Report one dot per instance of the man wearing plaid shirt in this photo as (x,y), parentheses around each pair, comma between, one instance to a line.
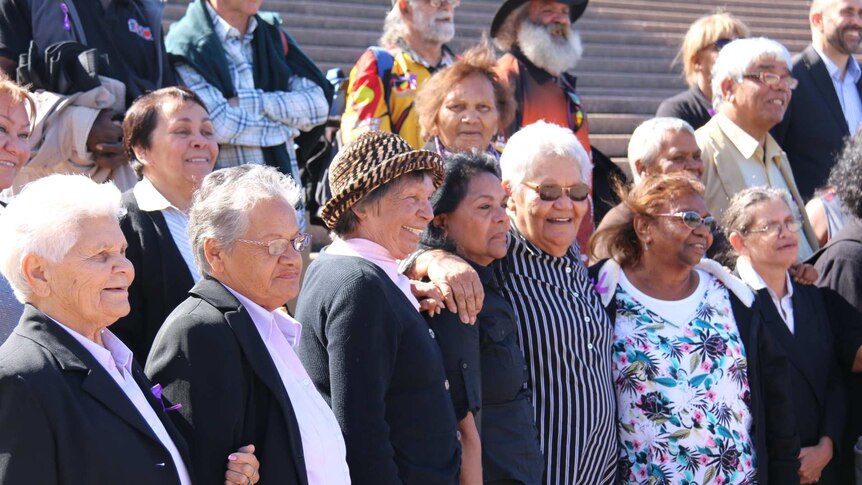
(262,92)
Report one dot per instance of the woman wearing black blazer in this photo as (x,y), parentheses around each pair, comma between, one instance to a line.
(169,138)
(765,234)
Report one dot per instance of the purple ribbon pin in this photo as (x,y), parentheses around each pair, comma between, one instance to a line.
(157,392)
(67,24)
(599,285)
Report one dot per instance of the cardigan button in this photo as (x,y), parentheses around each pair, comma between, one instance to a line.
(446,384)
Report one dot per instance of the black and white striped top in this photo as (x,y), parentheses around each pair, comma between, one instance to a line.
(566,338)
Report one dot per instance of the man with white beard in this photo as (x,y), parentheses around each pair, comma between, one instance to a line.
(541,52)
(384,80)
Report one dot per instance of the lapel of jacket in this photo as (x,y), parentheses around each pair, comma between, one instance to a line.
(146,386)
(175,274)
(823,83)
(71,356)
(809,342)
(790,342)
(257,355)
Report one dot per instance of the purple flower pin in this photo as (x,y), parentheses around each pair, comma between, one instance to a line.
(600,285)
(157,392)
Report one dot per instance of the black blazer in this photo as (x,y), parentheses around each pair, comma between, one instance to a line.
(819,396)
(813,129)
(63,419)
(162,279)
(210,358)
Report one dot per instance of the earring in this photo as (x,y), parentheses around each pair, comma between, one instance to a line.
(647,244)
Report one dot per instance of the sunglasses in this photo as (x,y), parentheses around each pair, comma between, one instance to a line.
(277,247)
(720,43)
(692,220)
(577,192)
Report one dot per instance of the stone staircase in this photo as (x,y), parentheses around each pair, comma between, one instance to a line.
(629,45)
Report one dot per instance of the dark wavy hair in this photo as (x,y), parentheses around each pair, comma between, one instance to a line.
(846,175)
(460,170)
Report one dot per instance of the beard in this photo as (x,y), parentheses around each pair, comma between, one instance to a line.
(555,48)
(837,40)
(432,29)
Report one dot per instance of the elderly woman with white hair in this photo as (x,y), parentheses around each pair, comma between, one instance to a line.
(75,407)
(565,333)
(751,85)
(226,354)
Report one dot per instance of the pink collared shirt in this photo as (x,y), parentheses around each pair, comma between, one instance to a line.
(322,441)
(116,359)
(377,254)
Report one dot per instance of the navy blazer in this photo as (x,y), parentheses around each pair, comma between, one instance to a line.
(162,278)
(63,418)
(813,129)
(819,395)
(210,358)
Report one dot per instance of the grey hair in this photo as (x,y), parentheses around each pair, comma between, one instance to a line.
(507,34)
(738,56)
(220,207)
(394,27)
(47,218)
(647,139)
(738,216)
(542,139)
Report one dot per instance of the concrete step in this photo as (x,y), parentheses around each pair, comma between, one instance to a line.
(610,145)
(615,123)
(598,102)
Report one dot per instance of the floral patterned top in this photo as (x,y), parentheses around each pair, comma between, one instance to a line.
(682,390)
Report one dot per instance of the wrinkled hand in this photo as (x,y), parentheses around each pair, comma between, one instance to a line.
(242,467)
(429,296)
(458,282)
(804,274)
(812,460)
(105,141)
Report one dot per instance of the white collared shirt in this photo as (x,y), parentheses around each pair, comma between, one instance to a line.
(784,305)
(322,441)
(116,359)
(151,200)
(848,93)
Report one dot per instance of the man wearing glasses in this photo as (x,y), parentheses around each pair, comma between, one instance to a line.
(752,87)
(384,80)
(827,106)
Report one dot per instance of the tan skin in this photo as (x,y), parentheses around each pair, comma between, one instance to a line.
(548,12)
(430,50)
(14,139)
(678,153)
(703,62)
(87,290)
(771,257)
(666,270)
(478,228)
(836,29)
(754,106)
(468,118)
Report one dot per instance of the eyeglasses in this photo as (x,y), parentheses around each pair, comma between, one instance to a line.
(439,3)
(774,229)
(577,192)
(773,80)
(277,247)
(720,43)
(692,220)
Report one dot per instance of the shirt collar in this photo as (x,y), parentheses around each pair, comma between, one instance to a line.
(149,198)
(224,30)
(745,143)
(517,241)
(268,322)
(446,60)
(749,275)
(853,70)
(112,351)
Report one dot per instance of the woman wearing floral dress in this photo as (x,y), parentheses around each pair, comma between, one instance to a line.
(693,375)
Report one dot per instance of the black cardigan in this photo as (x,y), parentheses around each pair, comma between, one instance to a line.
(374,359)
(775,435)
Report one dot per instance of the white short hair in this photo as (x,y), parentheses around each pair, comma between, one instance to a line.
(542,139)
(646,140)
(394,27)
(220,207)
(45,220)
(738,56)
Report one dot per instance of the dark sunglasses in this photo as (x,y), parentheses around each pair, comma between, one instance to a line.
(577,192)
(720,43)
(692,220)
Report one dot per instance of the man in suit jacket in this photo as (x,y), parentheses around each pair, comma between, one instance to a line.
(827,105)
(752,84)
(75,407)
(226,353)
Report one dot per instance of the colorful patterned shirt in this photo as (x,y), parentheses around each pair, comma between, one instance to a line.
(683,398)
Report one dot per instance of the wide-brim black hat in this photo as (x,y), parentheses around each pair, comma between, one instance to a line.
(576,9)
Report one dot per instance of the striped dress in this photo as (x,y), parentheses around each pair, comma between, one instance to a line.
(566,337)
